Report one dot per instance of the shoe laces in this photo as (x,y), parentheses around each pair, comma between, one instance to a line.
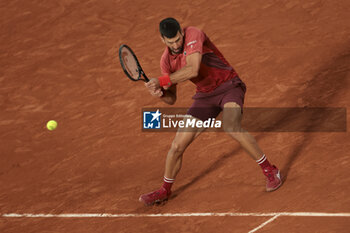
(156,193)
(270,177)
(269,174)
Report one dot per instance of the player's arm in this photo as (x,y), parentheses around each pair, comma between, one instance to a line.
(166,95)
(193,62)
(190,70)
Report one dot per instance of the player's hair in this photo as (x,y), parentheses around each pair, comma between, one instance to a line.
(169,27)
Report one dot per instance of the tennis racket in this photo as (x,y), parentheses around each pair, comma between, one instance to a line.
(131,65)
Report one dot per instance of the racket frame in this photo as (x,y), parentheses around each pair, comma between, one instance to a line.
(139,68)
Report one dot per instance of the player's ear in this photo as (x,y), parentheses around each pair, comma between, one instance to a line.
(162,38)
(181,32)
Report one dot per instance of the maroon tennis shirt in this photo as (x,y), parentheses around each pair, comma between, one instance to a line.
(214,69)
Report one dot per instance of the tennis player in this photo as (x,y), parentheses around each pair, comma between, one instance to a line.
(190,55)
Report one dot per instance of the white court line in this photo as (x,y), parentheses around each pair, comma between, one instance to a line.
(106,215)
(264,223)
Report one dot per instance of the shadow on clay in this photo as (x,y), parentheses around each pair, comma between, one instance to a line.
(214,166)
(320,91)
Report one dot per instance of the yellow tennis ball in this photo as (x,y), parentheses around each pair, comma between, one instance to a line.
(51,125)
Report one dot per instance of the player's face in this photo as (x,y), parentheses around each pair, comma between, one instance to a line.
(175,44)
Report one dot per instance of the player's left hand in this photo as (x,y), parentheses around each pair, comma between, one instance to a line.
(157,92)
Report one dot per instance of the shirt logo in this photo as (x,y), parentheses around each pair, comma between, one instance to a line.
(191,43)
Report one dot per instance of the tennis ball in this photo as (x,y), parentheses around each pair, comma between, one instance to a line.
(51,125)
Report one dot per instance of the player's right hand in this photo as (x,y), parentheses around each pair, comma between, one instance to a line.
(155,92)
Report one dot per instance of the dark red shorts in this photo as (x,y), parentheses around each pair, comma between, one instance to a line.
(209,105)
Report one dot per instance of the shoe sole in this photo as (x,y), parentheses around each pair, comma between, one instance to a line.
(280,178)
(273,189)
(156,202)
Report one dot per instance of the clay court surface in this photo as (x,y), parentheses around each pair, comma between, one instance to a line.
(59,61)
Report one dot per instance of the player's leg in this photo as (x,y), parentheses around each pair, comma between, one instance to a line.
(232,117)
(183,138)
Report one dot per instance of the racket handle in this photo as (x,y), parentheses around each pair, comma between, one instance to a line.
(144,75)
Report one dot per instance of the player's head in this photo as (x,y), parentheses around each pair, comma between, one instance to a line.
(171,34)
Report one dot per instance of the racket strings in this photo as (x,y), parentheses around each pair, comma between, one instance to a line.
(130,63)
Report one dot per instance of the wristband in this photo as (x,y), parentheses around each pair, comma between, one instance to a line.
(164,81)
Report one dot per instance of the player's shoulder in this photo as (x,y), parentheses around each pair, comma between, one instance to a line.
(193,30)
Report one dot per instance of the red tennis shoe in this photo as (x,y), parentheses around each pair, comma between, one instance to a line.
(155,197)
(273,178)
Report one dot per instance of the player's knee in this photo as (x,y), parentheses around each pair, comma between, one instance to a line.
(177,147)
(232,127)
